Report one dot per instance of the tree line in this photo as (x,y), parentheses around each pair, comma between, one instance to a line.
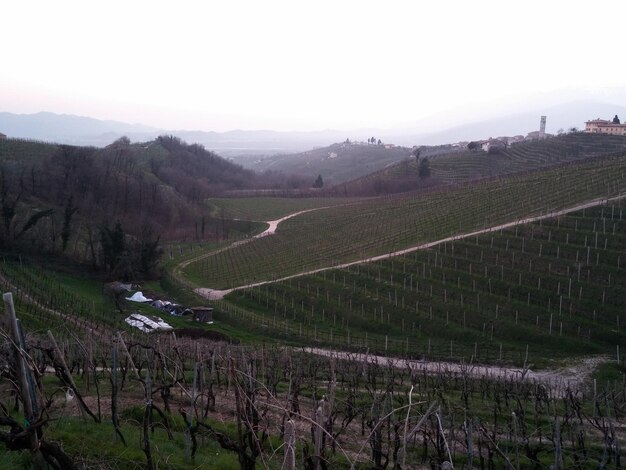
(112,206)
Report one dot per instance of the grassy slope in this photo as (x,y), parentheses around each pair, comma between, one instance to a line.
(39,291)
(323,238)
(267,208)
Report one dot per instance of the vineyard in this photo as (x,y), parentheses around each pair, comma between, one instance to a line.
(40,294)
(467,165)
(548,290)
(329,237)
(525,156)
(127,401)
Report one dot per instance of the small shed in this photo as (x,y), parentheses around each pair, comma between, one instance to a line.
(202,314)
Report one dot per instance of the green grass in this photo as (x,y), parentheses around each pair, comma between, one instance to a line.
(267,208)
(96,445)
(610,373)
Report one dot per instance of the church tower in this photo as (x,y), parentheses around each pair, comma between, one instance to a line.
(542,127)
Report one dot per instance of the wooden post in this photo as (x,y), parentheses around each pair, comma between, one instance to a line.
(127,353)
(61,359)
(22,370)
(289,463)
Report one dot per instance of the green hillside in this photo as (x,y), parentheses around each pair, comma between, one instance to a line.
(336,163)
(378,226)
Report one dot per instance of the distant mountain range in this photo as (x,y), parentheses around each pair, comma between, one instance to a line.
(80,130)
(241,144)
(67,128)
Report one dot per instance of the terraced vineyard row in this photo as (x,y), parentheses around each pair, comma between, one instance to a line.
(373,227)
(550,289)
(461,166)
(525,156)
(39,293)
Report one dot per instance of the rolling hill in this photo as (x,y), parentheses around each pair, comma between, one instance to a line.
(63,200)
(336,163)
(463,165)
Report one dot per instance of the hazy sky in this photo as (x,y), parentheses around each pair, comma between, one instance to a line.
(217,65)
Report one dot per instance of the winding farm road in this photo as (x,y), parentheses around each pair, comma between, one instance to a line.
(216,294)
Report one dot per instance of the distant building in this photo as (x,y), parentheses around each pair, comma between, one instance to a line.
(601,126)
(390,146)
(534,135)
(492,144)
(515,139)
(2,136)
(541,133)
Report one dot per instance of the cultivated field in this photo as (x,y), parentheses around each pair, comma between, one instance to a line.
(465,165)
(117,401)
(341,234)
(532,293)
(525,156)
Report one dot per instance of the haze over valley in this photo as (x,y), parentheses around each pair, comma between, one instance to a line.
(244,145)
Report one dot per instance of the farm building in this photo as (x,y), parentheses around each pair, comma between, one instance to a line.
(202,314)
(602,126)
(2,136)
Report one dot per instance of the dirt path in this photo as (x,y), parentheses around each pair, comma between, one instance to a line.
(570,376)
(270,230)
(273,224)
(216,294)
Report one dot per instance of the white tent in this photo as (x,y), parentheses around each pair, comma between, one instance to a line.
(138,297)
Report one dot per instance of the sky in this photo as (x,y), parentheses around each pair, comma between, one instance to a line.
(296,65)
